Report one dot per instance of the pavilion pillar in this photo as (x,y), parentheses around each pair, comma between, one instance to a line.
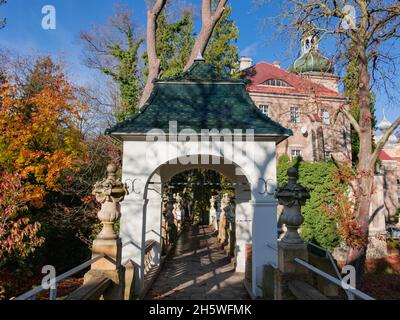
(133,225)
(153,217)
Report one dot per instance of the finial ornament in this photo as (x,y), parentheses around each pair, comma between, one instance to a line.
(109,193)
(199,57)
(292,196)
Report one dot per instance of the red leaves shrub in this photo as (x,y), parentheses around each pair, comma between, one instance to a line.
(341,210)
(18,236)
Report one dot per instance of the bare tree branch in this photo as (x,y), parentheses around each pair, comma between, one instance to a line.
(154,61)
(383,141)
(342,109)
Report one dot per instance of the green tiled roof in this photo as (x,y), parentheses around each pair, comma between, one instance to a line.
(201,71)
(313,61)
(200,99)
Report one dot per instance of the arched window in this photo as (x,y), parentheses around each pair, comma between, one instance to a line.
(276,83)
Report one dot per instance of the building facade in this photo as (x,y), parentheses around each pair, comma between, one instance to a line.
(304,99)
(389,170)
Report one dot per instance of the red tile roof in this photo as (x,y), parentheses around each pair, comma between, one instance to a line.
(264,71)
(384,156)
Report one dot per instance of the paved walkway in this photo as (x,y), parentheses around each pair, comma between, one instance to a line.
(198,270)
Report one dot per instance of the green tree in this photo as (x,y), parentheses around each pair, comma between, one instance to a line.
(174,44)
(351,81)
(318,227)
(126,74)
(222,50)
(199,185)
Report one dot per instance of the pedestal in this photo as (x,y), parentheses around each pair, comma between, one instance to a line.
(286,255)
(288,270)
(112,249)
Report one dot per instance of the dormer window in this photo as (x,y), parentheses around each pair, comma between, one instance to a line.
(276,83)
(264,109)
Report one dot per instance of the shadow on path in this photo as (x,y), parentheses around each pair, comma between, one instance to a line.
(198,270)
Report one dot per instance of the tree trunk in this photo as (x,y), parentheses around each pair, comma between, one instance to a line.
(209,21)
(365,168)
(201,42)
(154,61)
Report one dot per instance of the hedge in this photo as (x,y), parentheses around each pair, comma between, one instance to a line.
(317,228)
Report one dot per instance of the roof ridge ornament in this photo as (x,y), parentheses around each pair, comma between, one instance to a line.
(199,57)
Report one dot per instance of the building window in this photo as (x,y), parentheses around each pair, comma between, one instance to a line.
(296,153)
(264,109)
(327,155)
(325,117)
(277,83)
(295,114)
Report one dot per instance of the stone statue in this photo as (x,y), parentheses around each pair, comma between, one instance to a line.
(223,235)
(171,227)
(178,210)
(213,213)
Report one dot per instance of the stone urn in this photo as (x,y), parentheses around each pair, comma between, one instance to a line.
(109,192)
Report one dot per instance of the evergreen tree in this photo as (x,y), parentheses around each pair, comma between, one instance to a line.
(174,43)
(222,51)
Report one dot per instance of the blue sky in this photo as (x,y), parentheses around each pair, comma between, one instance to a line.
(24,33)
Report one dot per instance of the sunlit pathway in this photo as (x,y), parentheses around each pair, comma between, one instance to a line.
(198,270)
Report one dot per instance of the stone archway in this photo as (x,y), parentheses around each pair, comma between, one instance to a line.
(255,210)
(200,115)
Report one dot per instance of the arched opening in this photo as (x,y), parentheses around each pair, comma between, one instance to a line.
(254,209)
(196,184)
(199,219)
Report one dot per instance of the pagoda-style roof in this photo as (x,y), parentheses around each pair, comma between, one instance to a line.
(200,99)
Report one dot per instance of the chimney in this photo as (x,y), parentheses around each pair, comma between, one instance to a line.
(277,64)
(245,63)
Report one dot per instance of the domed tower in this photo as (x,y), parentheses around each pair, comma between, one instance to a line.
(382,127)
(313,66)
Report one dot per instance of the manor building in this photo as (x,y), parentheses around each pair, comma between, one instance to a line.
(389,170)
(304,99)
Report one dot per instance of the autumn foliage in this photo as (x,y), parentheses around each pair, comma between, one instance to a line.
(18,235)
(39,141)
(342,208)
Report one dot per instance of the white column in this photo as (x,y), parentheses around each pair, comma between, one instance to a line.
(132,235)
(264,235)
(244,220)
(153,216)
